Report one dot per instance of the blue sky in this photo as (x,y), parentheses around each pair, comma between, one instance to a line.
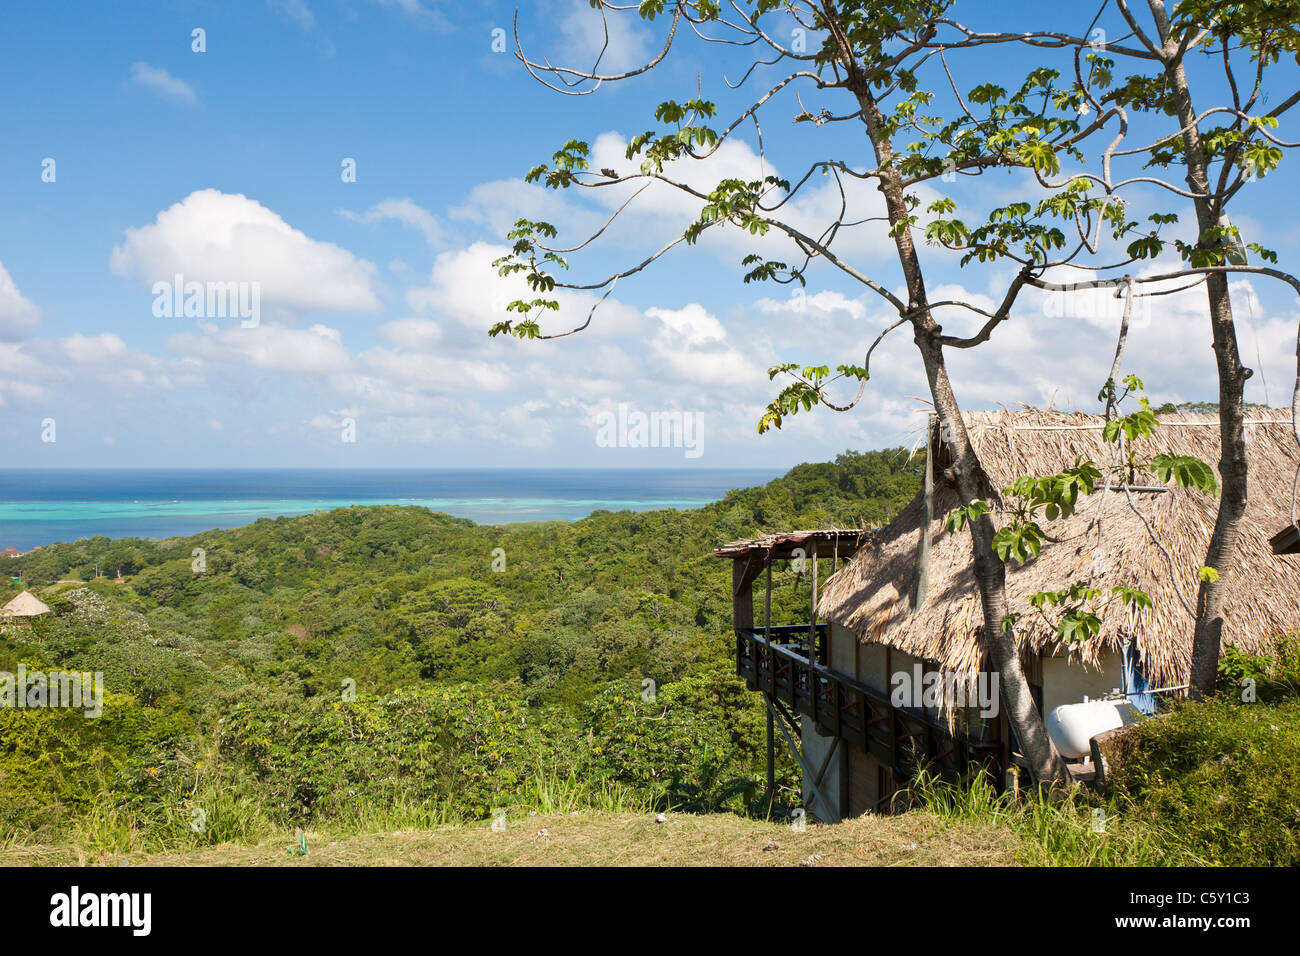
(376,294)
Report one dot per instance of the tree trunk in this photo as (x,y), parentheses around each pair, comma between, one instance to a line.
(967,470)
(1221,553)
(990,572)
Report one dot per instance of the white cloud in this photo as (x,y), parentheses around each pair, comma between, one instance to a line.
(1268,345)
(612,44)
(158,81)
(521,423)
(22,376)
(17,313)
(271,347)
(691,347)
(406,211)
(43,371)
(818,303)
(433,378)
(426,372)
(211,236)
(690,326)
(498,204)
(465,288)
(93,349)
(413,333)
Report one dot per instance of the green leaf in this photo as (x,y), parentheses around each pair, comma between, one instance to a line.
(1132,596)
(1186,471)
(970,513)
(1078,625)
(1018,541)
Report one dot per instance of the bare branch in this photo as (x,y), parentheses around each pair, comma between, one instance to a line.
(580,76)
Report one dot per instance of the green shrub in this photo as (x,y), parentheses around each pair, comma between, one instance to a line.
(1221,774)
(648,744)
(1270,676)
(54,760)
(470,747)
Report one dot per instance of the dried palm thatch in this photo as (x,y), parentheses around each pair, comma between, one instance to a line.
(1105,542)
(25,605)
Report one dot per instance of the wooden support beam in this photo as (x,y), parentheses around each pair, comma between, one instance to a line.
(893,738)
(767,606)
(826,761)
(787,717)
(812,614)
(743,572)
(771,756)
(803,766)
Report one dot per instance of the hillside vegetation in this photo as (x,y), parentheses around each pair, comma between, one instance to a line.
(393,666)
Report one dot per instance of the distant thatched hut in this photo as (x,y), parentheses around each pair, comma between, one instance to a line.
(23,608)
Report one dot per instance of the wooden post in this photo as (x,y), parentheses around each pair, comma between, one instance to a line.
(812,613)
(767,605)
(771,757)
(742,602)
(743,572)
(893,739)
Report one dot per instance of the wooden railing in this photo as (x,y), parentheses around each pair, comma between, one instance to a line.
(794,637)
(900,737)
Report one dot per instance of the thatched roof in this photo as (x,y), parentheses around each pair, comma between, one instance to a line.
(25,605)
(823,541)
(1104,541)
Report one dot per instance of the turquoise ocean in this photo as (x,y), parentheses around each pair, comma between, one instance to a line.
(39,507)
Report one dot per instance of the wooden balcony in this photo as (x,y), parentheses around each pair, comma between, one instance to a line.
(900,737)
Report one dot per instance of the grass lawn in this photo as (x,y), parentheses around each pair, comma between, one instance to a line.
(600,839)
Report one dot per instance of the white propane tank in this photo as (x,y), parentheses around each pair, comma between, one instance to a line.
(1072,726)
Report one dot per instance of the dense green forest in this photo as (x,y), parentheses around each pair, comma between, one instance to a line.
(343,664)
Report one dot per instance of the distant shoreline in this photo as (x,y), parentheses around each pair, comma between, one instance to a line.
(147,503)
(681,505)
